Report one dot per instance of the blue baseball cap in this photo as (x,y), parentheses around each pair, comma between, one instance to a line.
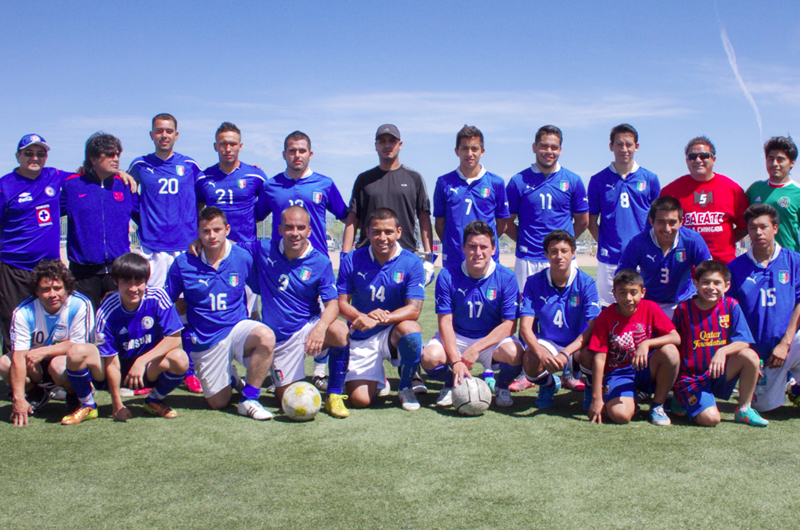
(32,139)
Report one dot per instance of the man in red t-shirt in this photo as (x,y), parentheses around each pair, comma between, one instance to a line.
(714,205)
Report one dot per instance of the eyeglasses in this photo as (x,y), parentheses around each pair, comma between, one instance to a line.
(111,154)
(38,154)
(701,156)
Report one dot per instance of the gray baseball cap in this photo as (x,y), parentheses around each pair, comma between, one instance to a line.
(388,128)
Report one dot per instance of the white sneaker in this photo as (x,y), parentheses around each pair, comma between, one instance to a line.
(445,398)
(383,392)
(253,409)
(418,384)
(503,398)
(408,399)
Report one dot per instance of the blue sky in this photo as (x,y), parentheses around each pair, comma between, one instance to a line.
(337,70)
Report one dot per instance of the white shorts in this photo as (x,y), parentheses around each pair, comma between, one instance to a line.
(485,357)
(213,366)
(367,356)
(288,361)
(160,262)
(605,283)
(775,394)
(524,268)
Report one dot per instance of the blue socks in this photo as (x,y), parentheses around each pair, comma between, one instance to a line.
(250,392)
(338,361)
(543,379)
(165,384)
(506,375)
(186,344)
(409,348)
(81,381)
(442,373)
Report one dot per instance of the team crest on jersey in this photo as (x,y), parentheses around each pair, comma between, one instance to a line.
(397,277)
(43,215)
(305,273)
(784,202)
(241,183)
(574,300)
(49,191)
(692,400)
(680,255)
(118,196)
(317,197)
(783,277)
(147,322)
(491,294)
(233,279)
(563,185)
(485,192)
(725,321)
(179,170)
(641,186)
(60,334)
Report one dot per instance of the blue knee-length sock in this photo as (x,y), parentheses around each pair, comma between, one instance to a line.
(441,373)
(338,361)
(165,384)
(409,347)
(81,381)
(506,375)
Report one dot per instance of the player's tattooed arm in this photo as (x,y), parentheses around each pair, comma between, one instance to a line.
(416,303)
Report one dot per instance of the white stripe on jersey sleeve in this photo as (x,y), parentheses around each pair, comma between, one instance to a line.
(160,295)
(21,326)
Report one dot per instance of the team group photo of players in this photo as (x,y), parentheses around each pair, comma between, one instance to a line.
(696,296)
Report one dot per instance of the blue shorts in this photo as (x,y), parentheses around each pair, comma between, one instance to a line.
(626,382)
(698,393)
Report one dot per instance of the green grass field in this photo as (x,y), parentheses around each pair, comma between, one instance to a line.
(386,468)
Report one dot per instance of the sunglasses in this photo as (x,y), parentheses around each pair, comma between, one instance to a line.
(111,154)
(39,154)
(701,156)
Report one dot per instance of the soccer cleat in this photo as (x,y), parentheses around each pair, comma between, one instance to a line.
(253,409)
(334,406)
(125,392)
(503,398)
(159,408)
(641,397)
(492,382)
(321,382)
(142,391)
(192,384)
(658,416)
(270,383)
(73,403)
(418,385)
(383,392)
(520,384)
(408,399)
(750,417)
(445,398)
(576,385)
(793,399)
(545,398)
(58,393)
(38,397)
(82,414)
(677,408)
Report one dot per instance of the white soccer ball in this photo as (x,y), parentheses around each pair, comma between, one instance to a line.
(301,401)
(472,397)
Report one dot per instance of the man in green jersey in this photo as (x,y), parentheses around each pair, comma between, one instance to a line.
(779,191)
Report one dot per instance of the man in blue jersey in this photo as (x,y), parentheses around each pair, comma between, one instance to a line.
(44,329)
(766,282)
(467,194)
(295,277)
(138,343)
(213,287)
(545,197)
(665,255)
(381,292)
(99,207)
(558,304)
(477,303)
(166,199)
(619,200)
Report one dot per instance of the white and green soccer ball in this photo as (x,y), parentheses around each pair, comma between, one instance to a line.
(301,401)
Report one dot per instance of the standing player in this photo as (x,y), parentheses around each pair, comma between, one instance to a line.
(213,286)
(467,194)
(713,204)
(99,207)
(714,350)
(167,199)
(634,344)
(766,282)
(559,303)
(779,190)
(619,200)
(665,255)
(44,328)
(545,197)
(295,277)
(381,291)
(477,303)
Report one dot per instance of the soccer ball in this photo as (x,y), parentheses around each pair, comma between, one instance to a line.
(301,401)
(472,397)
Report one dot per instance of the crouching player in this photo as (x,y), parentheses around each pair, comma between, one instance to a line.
(138,339)
(293,277)
(559,302)
(381,290)
(44,328)
(213,285)
(634,344)
(714,350)
(477,302)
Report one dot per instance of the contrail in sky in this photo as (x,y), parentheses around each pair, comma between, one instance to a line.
(726,43)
